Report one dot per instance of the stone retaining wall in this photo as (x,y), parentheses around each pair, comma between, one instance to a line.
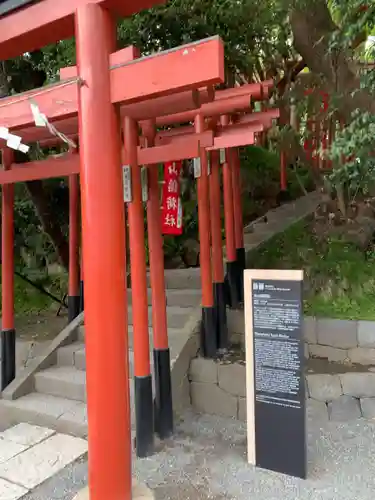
(341,341)
(219,388)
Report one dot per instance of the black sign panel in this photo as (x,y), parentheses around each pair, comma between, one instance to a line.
(280,436)
(8,6)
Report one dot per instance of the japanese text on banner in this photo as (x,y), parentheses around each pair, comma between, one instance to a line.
(172,206)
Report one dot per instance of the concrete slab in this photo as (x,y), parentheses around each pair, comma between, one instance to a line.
(38,463)
(9,450)
(26,434)
(9,491)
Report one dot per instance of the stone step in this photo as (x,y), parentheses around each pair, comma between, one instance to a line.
(61,414)
(74,356)
(181,279)
(176,297)
(173,333)
(62,381)
(69,381)
(176,316)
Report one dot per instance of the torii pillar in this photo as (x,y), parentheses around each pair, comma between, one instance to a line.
(103,228)
(8,333)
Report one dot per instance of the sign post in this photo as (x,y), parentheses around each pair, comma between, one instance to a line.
(275,371)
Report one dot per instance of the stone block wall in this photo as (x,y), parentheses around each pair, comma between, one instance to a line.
(341,340)
(219,388)
(347,396)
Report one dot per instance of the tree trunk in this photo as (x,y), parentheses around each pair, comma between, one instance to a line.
(312,28)
(49,220)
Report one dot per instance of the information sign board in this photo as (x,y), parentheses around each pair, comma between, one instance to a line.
(275,371)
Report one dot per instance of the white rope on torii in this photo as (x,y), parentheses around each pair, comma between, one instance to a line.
(13,141)
(41,120)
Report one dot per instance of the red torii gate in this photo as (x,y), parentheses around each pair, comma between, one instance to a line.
(96,89)
(227,102)
(102,207)
(237,134)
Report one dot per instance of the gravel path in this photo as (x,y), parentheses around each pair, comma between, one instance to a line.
(206,460)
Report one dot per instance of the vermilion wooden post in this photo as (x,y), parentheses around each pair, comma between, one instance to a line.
(209,323)
(238,220)
(217,252)
(230,238)
(144,404)
(103,221)
(74,235)
(162,362)
(8,333)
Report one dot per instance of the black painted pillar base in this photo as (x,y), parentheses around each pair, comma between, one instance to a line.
(81,296)
(144,416)
(74,303)
(8,357)
(241,259)
(163,393)
(209,332)
(221,316)
(233,284)
(283,197)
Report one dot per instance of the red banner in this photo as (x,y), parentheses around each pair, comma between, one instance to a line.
(172,206)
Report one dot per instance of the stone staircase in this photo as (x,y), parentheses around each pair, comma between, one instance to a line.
(57,398)
(51,392)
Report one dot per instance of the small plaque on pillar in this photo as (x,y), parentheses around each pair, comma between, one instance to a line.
(197,167)
(275,386)
(222,156)
(127,183)
(144,179)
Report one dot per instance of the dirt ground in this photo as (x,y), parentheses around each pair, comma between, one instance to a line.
(40,327)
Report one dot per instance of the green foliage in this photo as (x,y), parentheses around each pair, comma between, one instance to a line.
(339,278)
(355,144)
(28,300)
(260,171)
(355,18)
(260,179)
(353,150)
(252,31)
